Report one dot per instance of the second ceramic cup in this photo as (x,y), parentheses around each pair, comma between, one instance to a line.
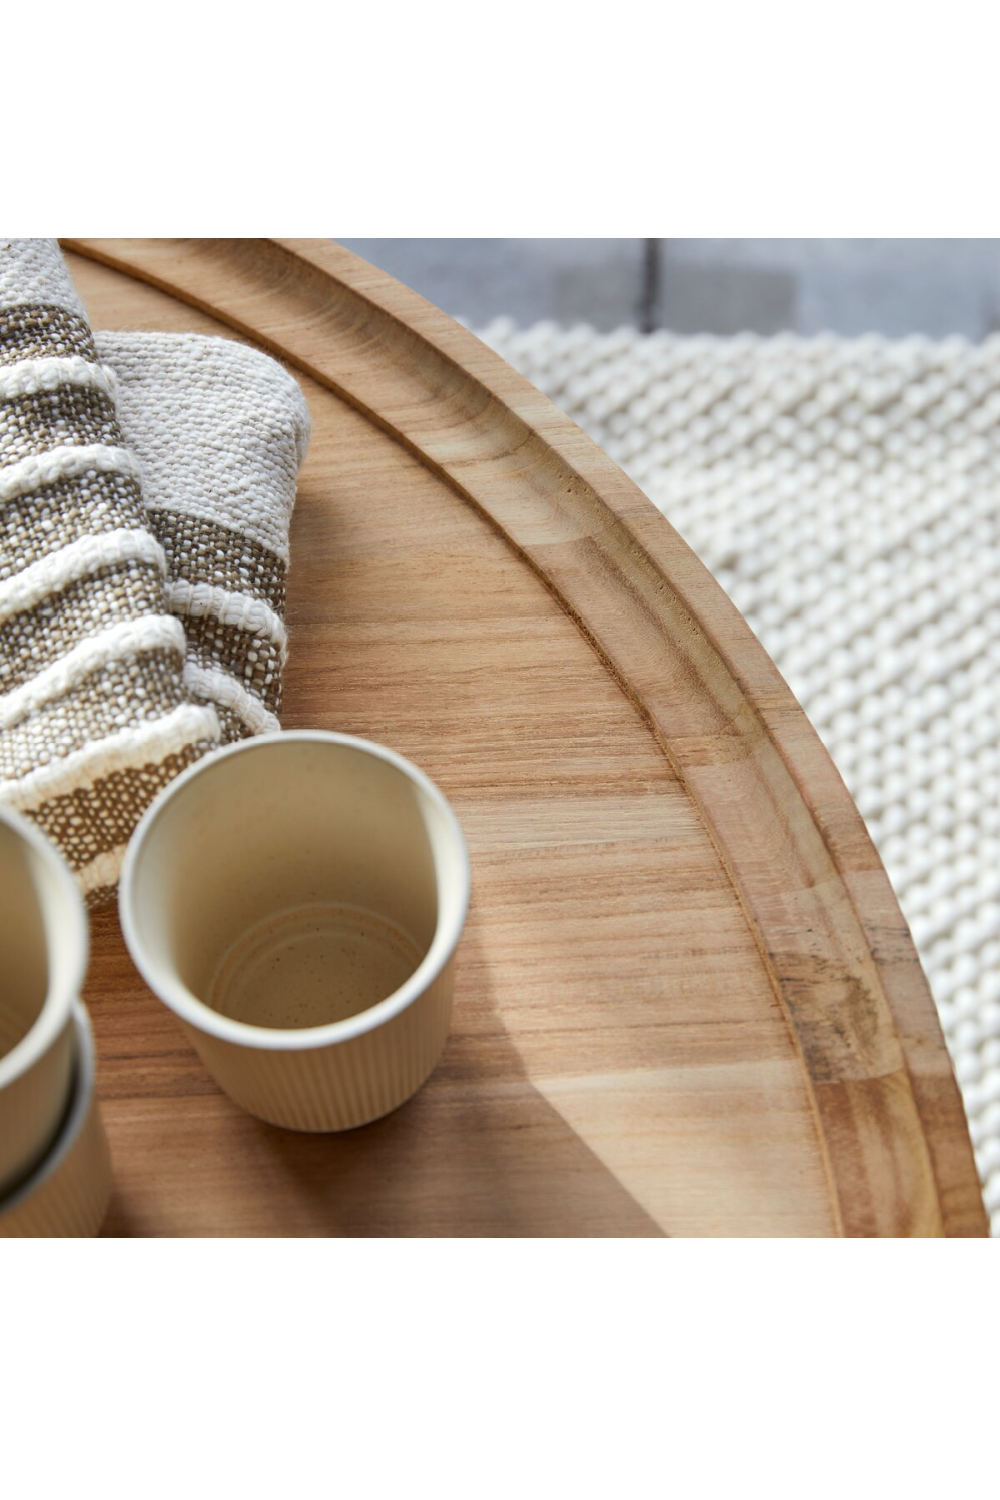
(296,900)
(43,958)
(69,1191)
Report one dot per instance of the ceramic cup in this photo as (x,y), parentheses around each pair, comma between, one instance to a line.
(69,1191)
(296,900)
(43,957)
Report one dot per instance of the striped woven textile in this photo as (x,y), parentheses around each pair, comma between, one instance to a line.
(220,431)
(134,638)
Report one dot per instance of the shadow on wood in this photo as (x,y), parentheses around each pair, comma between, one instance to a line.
(478,1151)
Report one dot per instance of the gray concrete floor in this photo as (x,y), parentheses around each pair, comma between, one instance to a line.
(895,287)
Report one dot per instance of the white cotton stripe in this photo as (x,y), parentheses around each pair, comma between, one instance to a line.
(127,750)
(32,376)
(77,560)
(127,638)
(104,870)
(229,607)
(223,689)
(65,462)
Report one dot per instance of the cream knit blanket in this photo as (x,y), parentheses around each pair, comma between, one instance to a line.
(146,485)
(846,494)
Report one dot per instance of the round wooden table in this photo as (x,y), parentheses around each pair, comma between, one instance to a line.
(686,1000)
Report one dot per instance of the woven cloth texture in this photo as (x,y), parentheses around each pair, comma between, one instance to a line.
(143,547)
(94,715)
(220,431)
(846,494)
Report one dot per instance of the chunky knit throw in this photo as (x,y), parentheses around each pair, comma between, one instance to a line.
(136,631)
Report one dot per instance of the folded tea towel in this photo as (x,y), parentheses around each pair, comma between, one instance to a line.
(220,431)
(94,714)
(132,639)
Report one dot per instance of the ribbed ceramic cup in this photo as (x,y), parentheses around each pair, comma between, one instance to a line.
(68,1193)
(43,958)
(296,899)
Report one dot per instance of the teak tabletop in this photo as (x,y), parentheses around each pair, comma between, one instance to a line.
(686,999)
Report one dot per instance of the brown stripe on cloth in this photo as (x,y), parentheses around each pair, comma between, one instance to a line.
(109,805)
(41,331)
(232,726)
(102,895)
(122,694)
(198,548)
(97,820)
(37,637)
(56,514)
(253,661)
(73,416)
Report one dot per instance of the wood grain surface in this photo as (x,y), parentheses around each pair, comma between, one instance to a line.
(686,999)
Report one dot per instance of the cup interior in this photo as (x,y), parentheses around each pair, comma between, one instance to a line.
(42,937)
(293,882)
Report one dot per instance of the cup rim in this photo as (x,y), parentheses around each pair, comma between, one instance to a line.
(58,1003)
(80,1099)
(195,1012)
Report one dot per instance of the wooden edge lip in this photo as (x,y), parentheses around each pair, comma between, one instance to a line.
(782,719)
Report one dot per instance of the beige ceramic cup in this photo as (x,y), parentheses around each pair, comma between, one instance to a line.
(68,1193)
(43,958)
(296,899)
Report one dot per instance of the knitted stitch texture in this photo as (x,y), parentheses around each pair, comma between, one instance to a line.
(845,494)
(94,715)
(220,431)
